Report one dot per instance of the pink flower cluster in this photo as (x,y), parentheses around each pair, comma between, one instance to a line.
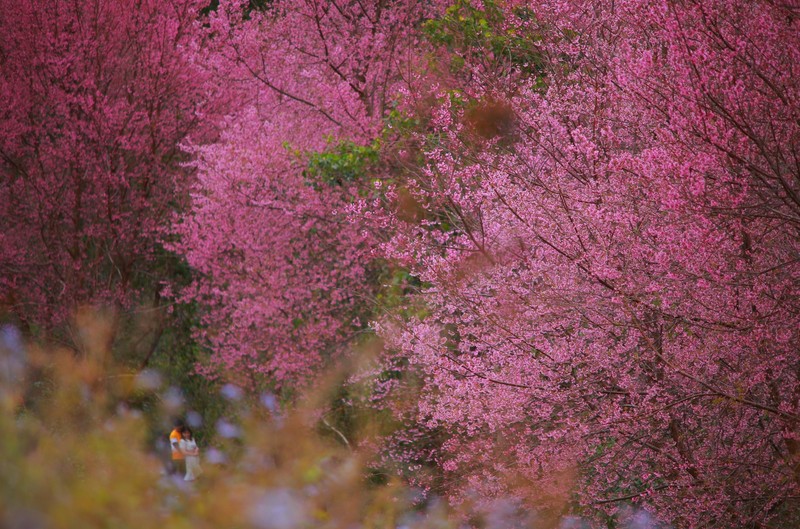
(613,282)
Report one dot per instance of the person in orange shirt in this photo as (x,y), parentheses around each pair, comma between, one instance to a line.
(178,462)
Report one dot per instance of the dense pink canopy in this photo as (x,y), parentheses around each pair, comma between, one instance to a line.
(283,268)
(597,203)
(614,281)
(96,96)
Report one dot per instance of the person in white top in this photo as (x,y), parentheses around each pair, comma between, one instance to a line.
(191,454)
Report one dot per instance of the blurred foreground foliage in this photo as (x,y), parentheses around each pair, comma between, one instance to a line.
(76,450)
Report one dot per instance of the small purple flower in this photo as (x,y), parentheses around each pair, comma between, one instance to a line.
(269,401)
(277,509)
(194,419)
(226,429)
(231,392)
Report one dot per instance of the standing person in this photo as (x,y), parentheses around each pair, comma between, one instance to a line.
(191,453)
(178,463)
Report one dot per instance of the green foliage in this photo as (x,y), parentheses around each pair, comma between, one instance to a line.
(247,8)
(396,294)
(401,123)
(344,162)
(472,31)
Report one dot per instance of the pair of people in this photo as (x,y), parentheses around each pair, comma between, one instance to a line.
(185,454)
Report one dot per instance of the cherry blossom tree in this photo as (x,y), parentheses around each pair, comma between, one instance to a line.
(97,96)
(284,271)
(612,265)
